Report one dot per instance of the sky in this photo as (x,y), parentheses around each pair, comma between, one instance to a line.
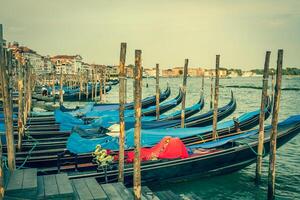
(167,31)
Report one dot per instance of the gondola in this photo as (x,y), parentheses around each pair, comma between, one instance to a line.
(48,118)
(193,121)
(45,153)
(219,157)
(69,95)
(66,122)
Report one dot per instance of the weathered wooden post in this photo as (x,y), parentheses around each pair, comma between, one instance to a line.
(93,72)
(273,137)
(211,90)
(261,134)
(215,117)
(7,108)
(121,111)
(126,84)
(185,72)
(96,81)
(157,92)
(101,85)
(87,84)
(202,85)
(80,85)
(20,104)
(137,125)
(272,87)
(31,85)
(104,85)
(25,92)
(53,82)
(61,95)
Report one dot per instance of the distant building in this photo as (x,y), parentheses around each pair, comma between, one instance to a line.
(248,74)
(68,64)
(178,71)
(232,74)
(36,60)
(113,71)
(212,72)
(150,72)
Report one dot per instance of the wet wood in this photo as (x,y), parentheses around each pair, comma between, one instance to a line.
(20,105)
(80,85)
(104,85)
(53,82)
(101,87)
(273,137)
(211,90)
(61,95)
(126,84)
(215,117)
(157,92)
(261,135)
(25,114)
(122,76)
(137,125)
(202,85)
(87,85)
(7,108)
(93,84)
(185,72)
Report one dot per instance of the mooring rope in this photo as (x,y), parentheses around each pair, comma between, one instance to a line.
(31,150)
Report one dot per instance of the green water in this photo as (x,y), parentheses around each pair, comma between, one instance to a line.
(238,185)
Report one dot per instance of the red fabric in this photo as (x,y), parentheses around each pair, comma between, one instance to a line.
(167,148)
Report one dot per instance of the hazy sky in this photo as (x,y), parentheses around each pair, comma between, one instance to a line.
(167,31)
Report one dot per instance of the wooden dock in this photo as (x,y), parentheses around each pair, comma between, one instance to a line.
(25,184)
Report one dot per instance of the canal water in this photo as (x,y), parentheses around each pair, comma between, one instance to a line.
(238,185)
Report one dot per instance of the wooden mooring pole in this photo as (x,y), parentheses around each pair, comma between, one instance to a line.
(101,85)
(215,117)
(211,90)
(202,85)
(80,85)
(273,137)
(261,134)
(137,125)
(20,69)
(104,85)
(185,72)
(7,107)
(157,92)
(126,85)
(87,85)
(53,82)
(61,95)
(121,110)
(93,84)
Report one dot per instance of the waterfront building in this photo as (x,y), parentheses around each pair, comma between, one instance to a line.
(69,64)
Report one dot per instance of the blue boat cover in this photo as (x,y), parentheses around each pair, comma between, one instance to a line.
(77,144)
(151,137)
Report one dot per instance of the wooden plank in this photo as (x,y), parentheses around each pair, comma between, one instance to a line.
(64,185)
(193,196)
(41,187)
(172,195)
(148,193)
(95,189)
(143,197)
(111,192)
(51,189)
(30,179)
(16,181)
(82,190)
(126,194)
